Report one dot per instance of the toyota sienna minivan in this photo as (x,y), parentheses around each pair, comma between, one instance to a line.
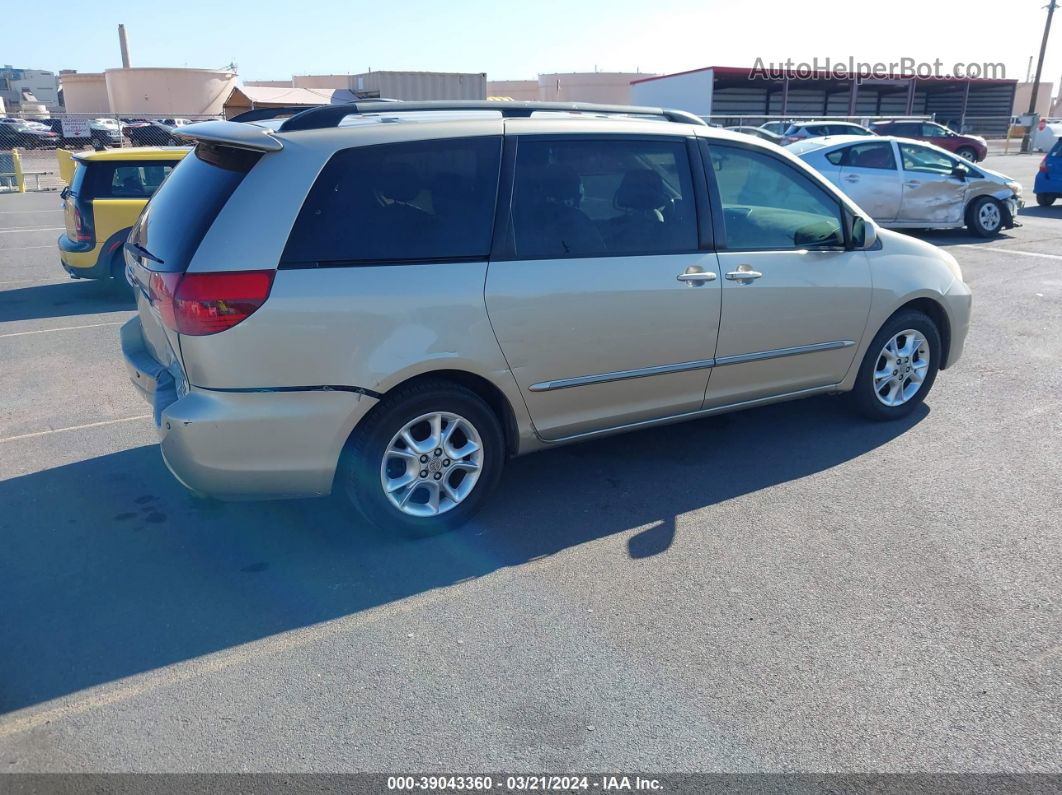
(388,300)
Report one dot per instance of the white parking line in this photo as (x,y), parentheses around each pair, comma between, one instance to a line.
(24,248)
(20,212)
(1002,250)
(61,328)
(31,229)
(74,428)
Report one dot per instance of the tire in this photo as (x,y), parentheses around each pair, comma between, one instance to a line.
(118,283)
(966,153)
(1045,199)
(171,141)
(984,217)
(868,400)
(361,467)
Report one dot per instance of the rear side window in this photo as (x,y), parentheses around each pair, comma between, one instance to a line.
(1056,150)
(871,155)
(178,216)
(405,202)
(604,198)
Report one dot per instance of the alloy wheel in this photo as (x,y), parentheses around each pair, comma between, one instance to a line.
(432,464)
(901,367)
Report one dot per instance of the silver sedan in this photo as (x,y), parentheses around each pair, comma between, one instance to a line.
(903,183)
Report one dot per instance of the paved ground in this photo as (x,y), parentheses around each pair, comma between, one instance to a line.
(784,589)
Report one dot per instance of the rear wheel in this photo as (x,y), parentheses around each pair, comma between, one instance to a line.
(118,283)
(1045,199)
(984,218)
(899,367)
(424,460)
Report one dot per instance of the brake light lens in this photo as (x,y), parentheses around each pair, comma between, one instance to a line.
(83,231)
(198,304)
(1043,165)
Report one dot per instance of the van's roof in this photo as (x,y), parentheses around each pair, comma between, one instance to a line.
(134,153)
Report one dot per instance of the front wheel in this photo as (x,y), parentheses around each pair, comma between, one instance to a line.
(899,367)
(984,218)
(966,153)
(1045,199)
(424,460)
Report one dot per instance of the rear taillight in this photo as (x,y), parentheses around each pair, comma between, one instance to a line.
(1043,165)
(198,304)
(83,230)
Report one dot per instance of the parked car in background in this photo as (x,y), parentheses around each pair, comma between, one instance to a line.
(799,130)
(18,134)
(151,133)
(105,196)
(758,132)
(100,136)
(913,184)
(776,127)
(1048,186)
(969,147)
(361,307)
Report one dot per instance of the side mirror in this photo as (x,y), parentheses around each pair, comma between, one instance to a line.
(960,171)
(864,234)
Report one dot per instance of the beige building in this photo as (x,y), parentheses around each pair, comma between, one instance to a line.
(84,92)
(401,85)
(148,91)
(1023,93)
(608,88)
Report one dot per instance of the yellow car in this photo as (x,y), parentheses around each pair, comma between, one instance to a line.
(105,195)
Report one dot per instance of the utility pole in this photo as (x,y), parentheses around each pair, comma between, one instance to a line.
(1051,6)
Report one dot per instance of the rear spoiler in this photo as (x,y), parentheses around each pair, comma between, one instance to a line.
(231,133)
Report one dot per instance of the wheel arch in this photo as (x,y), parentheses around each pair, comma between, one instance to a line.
(491,394)
(938,314)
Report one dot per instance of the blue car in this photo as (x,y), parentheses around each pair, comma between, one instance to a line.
(1048,185)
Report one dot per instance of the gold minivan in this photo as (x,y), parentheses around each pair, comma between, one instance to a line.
(105,194)
(389,299)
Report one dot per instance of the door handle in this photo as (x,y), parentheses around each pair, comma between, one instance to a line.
(852,178)
(742,275)
(912,183)
(696,276)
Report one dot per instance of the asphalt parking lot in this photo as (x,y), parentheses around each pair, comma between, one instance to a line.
(788,588)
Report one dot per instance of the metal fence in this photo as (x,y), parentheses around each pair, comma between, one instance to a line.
(77,131)
(29,143)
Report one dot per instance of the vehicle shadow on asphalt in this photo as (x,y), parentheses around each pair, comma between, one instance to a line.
(110,569)
(62,300)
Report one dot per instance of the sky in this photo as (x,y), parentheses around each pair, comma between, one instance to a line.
(509,40)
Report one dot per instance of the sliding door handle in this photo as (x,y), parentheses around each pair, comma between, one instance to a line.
(742,275)
(697,276)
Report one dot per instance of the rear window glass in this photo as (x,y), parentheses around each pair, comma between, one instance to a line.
(403,202)
(178,216)
(116,180)
(1056,151)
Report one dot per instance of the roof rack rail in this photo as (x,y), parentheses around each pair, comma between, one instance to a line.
(327,116)
(259,114)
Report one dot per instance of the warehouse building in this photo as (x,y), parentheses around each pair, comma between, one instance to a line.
(609,88)
(391,85)
(737,94)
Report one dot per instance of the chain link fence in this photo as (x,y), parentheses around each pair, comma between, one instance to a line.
(29,144)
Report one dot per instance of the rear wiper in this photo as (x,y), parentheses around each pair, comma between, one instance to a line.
(143,252)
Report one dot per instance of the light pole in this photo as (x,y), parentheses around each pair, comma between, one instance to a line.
(1051,6)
